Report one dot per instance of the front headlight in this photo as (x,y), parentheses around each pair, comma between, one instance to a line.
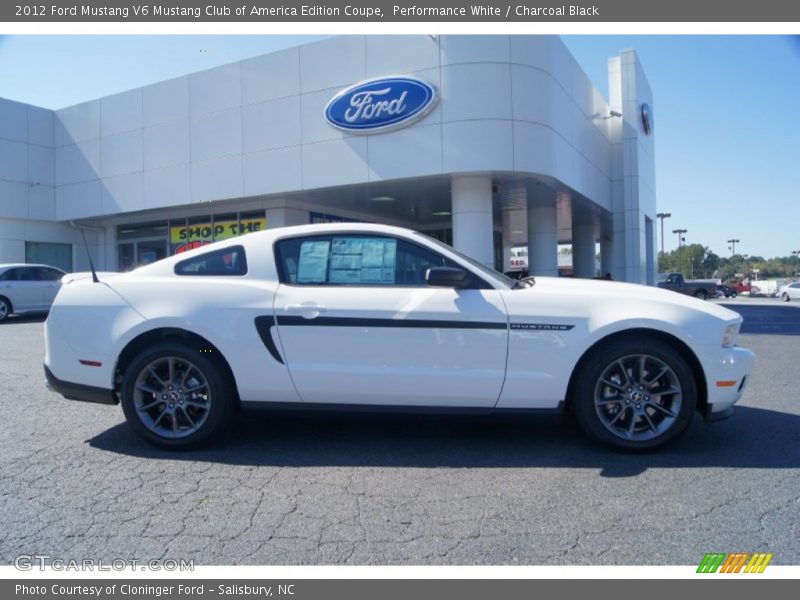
(730,335)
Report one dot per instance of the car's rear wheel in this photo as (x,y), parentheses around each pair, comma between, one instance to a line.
(701,294)
(175,397)
(5,309)
(635,395)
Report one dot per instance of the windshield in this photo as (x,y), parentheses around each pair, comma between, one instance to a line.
(495,277)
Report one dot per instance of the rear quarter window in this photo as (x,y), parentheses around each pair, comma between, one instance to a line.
(226,261)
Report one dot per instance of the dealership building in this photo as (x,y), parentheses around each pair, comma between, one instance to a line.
(489,143)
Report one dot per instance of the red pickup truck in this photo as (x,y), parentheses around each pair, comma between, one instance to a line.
(745,288)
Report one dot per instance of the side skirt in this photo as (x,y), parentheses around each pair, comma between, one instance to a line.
(397,409)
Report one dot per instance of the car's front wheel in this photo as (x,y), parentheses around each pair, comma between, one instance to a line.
(635,394)
(785,297)
(175,397)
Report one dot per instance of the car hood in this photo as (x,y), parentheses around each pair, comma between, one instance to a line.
(595,291)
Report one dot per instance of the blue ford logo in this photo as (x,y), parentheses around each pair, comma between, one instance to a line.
(381,104)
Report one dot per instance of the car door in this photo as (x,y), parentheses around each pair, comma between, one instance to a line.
(20,286)
(358,325)
(51,283)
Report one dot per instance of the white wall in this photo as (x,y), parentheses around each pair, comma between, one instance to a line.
(255,127)
(27,183)
(27,177)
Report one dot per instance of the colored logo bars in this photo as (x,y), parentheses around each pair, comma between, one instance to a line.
(736,562)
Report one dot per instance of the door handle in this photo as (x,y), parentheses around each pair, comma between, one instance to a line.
(308,311)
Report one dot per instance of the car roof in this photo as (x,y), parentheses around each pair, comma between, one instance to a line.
(6,266)
(322,228)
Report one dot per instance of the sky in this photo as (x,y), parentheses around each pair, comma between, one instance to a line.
(727,125)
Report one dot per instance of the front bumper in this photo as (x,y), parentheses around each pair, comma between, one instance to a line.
(78,391)
(726,377)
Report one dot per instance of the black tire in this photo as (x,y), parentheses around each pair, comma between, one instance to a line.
(5,308)
(596,419)
(733,295)
(701,295)
(785,297)
(209,408)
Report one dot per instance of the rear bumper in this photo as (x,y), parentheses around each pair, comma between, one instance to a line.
(77,391)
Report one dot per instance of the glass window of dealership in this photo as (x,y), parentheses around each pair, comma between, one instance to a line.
(498,145)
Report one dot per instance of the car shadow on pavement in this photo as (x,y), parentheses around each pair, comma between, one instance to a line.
(21,319)
(768,319)
(751,438)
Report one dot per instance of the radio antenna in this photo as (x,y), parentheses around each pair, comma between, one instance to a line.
(89,256)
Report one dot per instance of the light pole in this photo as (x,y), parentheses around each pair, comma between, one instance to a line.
(661,217)
(680,233)
(733,246)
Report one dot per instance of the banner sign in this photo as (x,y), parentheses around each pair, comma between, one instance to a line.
(376,11)
(210,232)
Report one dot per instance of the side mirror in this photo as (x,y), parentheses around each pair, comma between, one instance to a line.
(445,277)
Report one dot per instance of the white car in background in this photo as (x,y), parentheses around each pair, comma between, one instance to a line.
(370,315)
(790,291)
(27,288)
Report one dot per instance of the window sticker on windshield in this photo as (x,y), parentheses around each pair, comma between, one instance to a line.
(363,260)
(313,262)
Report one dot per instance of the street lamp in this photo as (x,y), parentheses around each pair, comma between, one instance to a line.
(681,239)
(733,246)
(663,216)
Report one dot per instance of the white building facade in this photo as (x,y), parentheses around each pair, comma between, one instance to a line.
(517,148)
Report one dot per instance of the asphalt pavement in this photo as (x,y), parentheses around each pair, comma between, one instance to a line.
(75,483)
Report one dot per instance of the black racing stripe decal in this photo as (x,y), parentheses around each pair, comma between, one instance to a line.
(540,327)
(264,327)
(389,323)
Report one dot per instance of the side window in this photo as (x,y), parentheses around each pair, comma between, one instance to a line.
(44,274)
(359,260)
(10,275)
(51,274)
(414,261)
(26,274)
(227,261)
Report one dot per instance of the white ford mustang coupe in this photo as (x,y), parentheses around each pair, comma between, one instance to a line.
(371,315)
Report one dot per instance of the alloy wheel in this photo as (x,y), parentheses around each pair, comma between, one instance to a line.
(172,397)
(638,397)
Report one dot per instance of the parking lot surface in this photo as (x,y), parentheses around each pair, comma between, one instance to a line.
(340,488)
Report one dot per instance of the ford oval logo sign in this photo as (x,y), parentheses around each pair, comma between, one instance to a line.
(382,104)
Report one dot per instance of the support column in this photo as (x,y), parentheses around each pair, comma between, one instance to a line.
(606,255)
(583,249)
(473,226)
(542,237)
(508,226)
(650,252)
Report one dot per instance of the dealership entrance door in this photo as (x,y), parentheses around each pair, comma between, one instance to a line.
(141,252)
